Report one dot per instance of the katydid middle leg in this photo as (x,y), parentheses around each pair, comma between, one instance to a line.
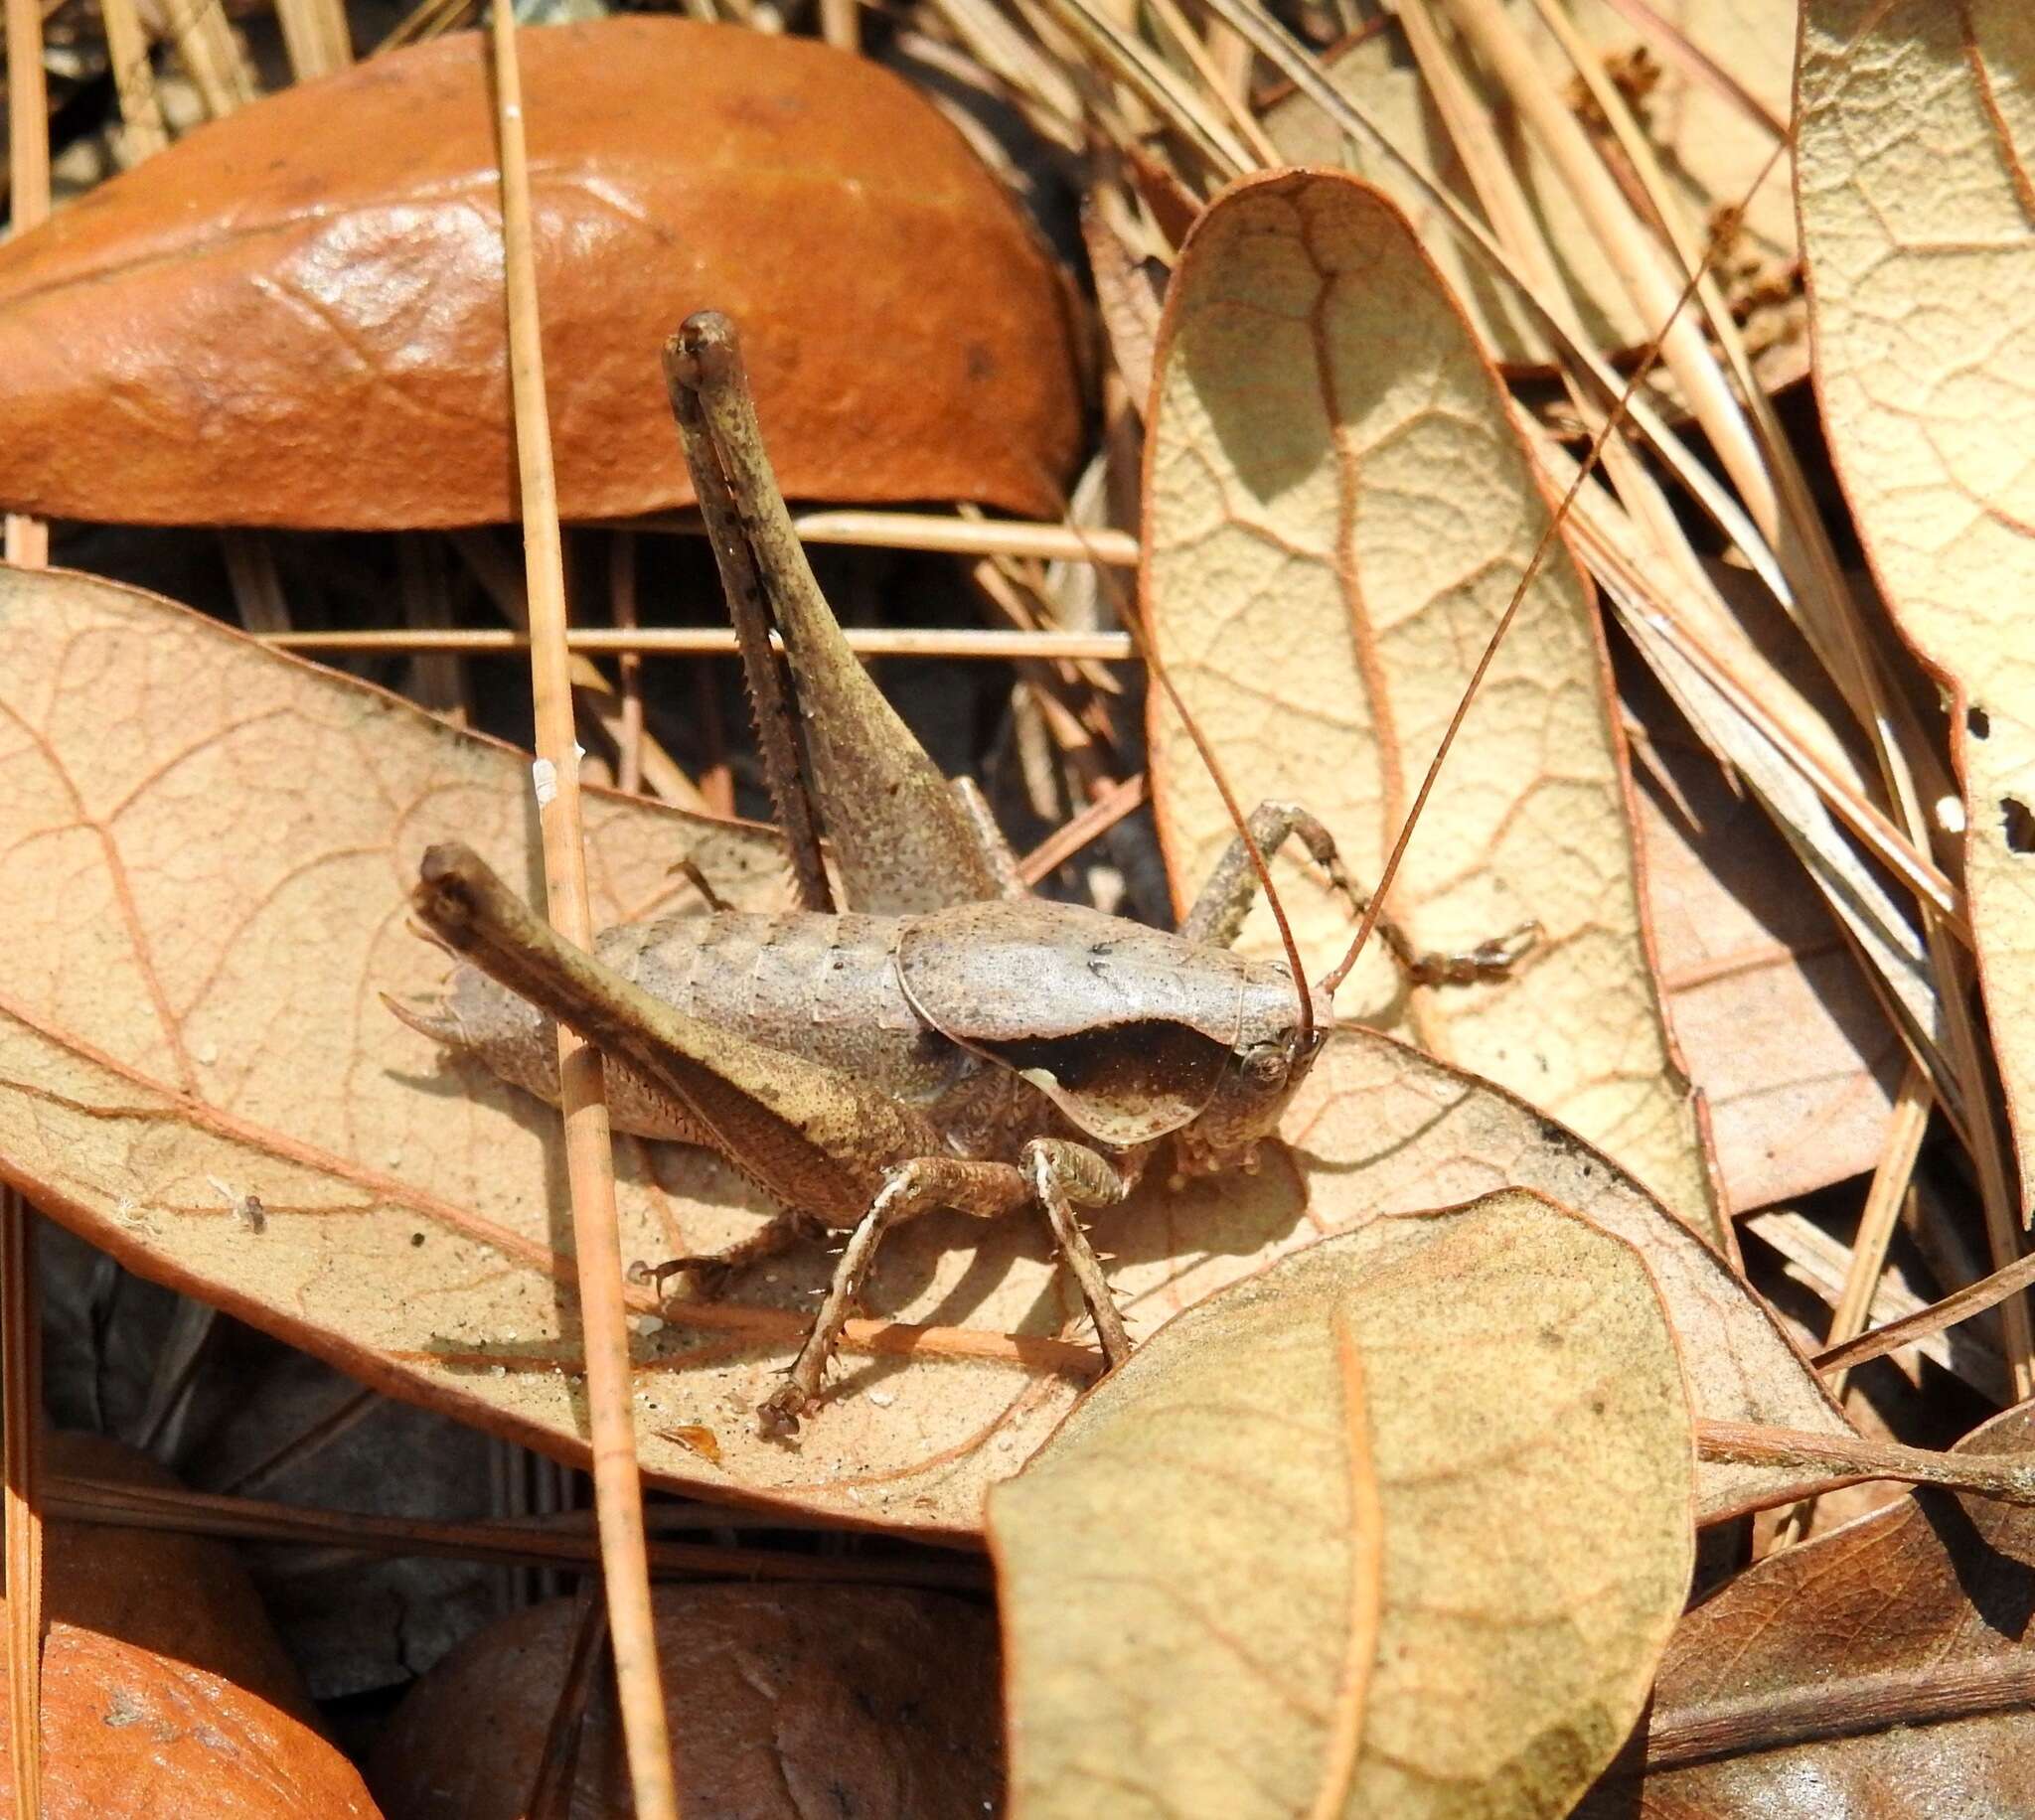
(1055,1173)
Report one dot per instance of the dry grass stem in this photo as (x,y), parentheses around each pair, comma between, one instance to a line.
(1674,45)
(1833,1460)
(211,55)
(143,132)
(314,35)
(21,1401)
(1717,502)
(1821,1265)
(589,1158)
(963,536)
(1635,255)
(23,1504)
(504,585)
(509,1542)
(1876,1226)
(715,640)
(1233,104)
(257,586)
(622,610)
(1974,1298)
(1156,85)
(1102,814)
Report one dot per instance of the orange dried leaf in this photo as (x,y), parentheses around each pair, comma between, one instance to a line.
(165,1690)
(294,317)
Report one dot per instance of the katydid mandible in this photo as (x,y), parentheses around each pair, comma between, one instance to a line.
(944,1041)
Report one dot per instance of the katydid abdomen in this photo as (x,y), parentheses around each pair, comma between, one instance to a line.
(823,989)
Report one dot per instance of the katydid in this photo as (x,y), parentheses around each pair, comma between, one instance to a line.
(945,1041)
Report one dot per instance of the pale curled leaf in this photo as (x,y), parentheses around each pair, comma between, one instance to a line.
(1398,1527)
(1337,511)
(205,850)
(1917,188)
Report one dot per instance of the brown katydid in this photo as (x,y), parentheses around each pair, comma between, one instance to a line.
(948,1041)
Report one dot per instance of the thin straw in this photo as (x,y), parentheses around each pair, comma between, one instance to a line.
(589,1157)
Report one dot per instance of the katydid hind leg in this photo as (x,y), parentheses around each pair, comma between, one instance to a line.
(811,1136)
(1003,862)
(711,1273)
(901,842)
(769,704)
(1218,912)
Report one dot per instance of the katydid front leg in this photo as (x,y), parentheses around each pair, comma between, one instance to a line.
(1225,900)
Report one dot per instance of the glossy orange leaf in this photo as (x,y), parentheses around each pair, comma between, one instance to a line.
(165,1690)
(295,317)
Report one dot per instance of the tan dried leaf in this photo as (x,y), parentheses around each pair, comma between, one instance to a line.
(1878,1672)
(1398,1527)
(1916,183)
(206,853)
(1337,511)
(1711,144)
(1782,1033)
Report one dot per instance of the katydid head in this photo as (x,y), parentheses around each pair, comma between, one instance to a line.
(1274,1049)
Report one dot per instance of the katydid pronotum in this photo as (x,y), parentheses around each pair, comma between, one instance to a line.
(945,1041)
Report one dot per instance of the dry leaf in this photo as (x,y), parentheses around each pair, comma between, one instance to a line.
(1914,185)
(1794,1059)
(784,1704)
(207,850)
(1337,511)
(294,316)
(1381,1130)
(165,1692)
(1799,1676)
(1711,145)
(1398,1527)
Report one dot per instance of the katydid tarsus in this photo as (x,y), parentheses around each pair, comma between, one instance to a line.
(945,1041)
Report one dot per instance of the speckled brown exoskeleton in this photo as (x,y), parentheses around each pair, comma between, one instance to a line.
(944,1040)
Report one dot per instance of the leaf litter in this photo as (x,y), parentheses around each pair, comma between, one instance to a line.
(161,1030)
(125,1124)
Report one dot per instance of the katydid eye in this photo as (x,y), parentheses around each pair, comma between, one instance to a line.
(1266,1065)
